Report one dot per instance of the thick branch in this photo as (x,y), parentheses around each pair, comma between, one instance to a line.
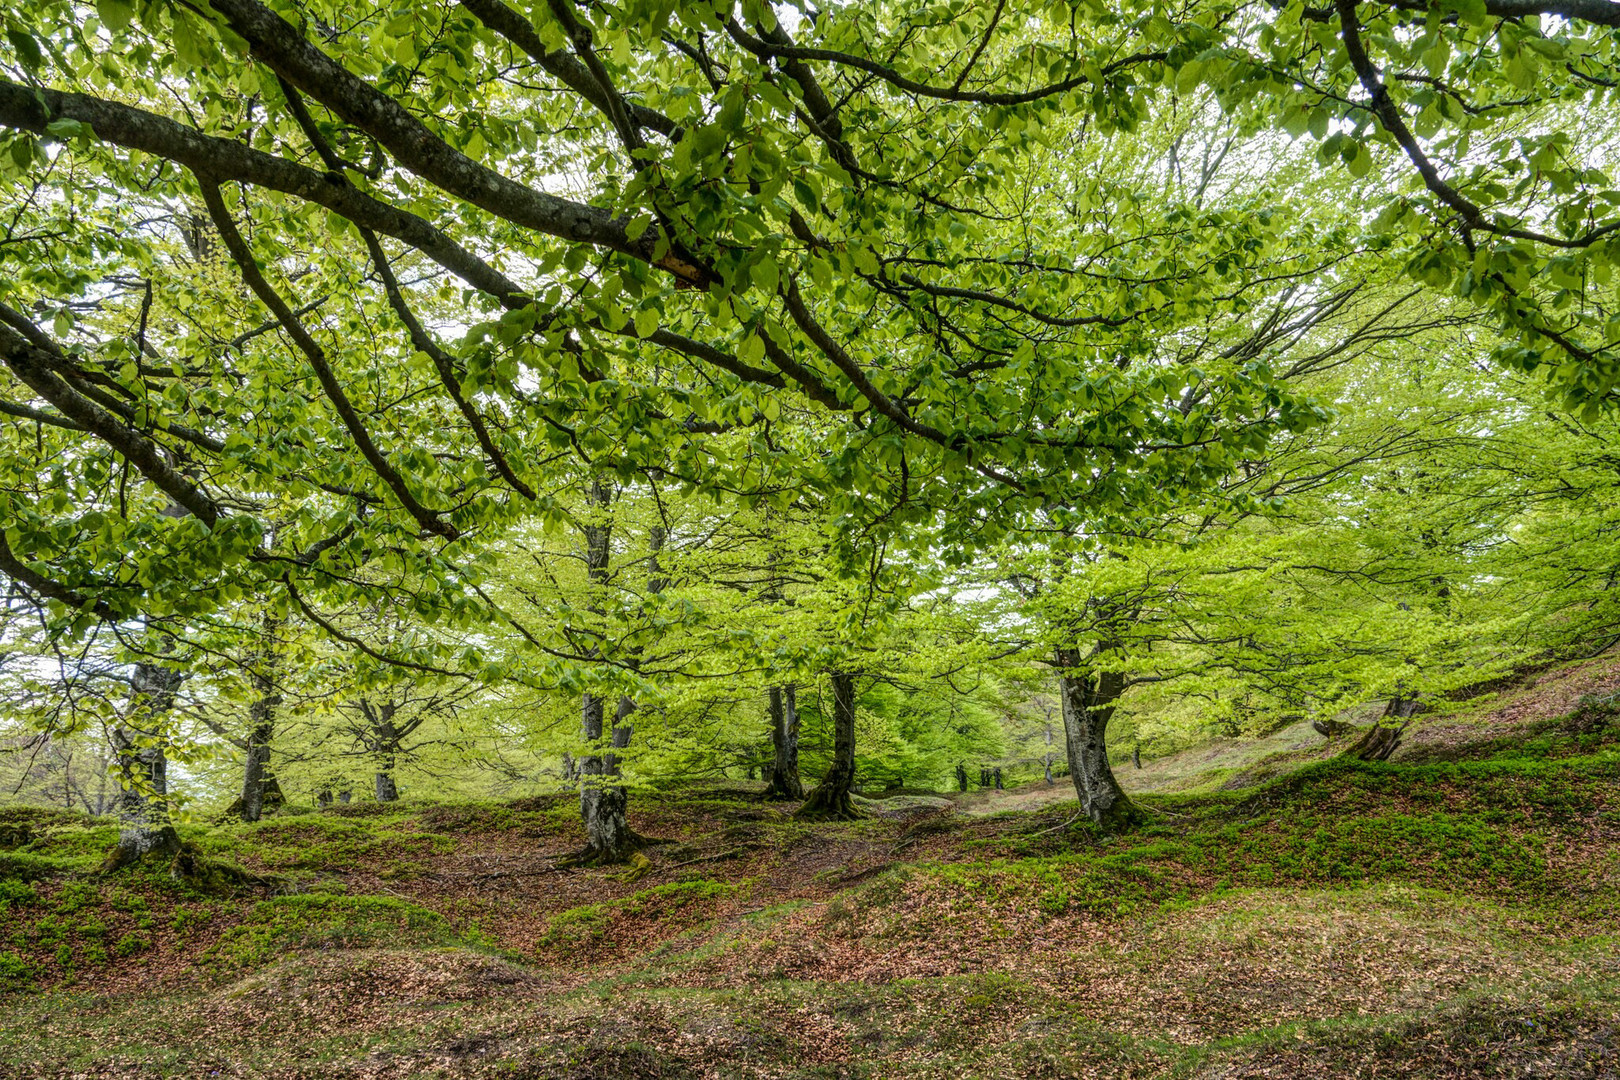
(284,49)
(566,68)
(427,519)
(36,367)
(29,109)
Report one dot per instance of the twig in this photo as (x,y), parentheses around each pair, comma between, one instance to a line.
(1055,828)
(712,858)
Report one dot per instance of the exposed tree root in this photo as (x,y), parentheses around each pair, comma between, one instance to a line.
(273,799)
(628,851)
(639,867)
(187,863)
(829,804)
(784,788)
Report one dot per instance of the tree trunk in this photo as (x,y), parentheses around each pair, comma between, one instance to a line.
(784,713)
(387,790)
(257,780)
(961,777)
(1136,756)
(996,772)
(1088,704)
(602,801)
(1384,738)
(143,766)
(1046,761)
(831,797)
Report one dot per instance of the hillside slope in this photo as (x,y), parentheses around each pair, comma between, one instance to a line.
(1420,918)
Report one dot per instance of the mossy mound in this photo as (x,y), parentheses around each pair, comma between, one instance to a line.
(325,921)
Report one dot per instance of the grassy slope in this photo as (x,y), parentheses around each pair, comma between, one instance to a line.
(1424,918)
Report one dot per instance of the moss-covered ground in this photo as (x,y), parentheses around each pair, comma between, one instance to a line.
(1452,913)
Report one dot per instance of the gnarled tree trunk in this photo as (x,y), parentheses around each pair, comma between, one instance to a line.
(259,786)
(143,765)
(386,789)
(603,803)
(832,796)
(384,739)
(1381,740)
(1089,698)
(784,711)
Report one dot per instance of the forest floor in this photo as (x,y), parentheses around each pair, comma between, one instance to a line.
(1285,913)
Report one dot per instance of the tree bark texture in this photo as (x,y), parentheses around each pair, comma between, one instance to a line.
(603,802)
(258,783)
(143,806)
(785,782)
(1381,740)
(385,739)
(1089,698)
(832,796)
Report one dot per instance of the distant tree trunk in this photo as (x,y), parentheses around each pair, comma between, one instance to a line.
(387,790)
(1088,704)
(1384,738)
(384,739)
(1136,756)
(258,784)
(1046,761)
(603,803)
(323,798)
(784,714)
(832,796)
(961,777)
(1330,728)
(997,773)
(143,766)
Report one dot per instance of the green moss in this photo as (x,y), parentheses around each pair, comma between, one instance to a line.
(590,922)
(80,838)
(23,866)
(187,917)
(15,972)
(76,896)
(1474,826)
(276,926)
(575,926)
(16,893)
(321,842)
(131,943)
(1447,850)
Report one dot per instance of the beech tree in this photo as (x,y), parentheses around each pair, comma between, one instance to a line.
(386,280)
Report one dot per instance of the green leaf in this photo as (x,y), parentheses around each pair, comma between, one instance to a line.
(1359,161)
(765,275)
(115,14)
(26,47)
(638,226)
